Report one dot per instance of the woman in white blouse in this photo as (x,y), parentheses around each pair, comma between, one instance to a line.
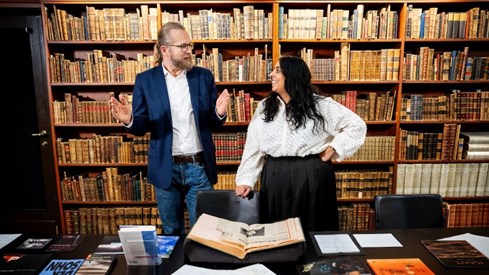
(291,140)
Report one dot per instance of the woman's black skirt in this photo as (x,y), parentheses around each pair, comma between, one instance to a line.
(303,187)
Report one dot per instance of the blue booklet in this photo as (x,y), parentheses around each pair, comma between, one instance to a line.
(62,266)
(166,244)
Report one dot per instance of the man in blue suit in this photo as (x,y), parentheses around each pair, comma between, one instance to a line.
(178,104)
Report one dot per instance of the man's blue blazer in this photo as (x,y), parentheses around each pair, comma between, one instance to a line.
(151,111)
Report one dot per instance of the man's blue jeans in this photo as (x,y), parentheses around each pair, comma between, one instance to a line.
(188,178)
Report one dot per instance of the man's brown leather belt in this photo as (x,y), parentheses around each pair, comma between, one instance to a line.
(197,158)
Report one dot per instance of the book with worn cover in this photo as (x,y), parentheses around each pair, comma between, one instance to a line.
(398,266)
(34,243)
(22,264)
(62,266)
(66,243)
(166,244)
(239,239)
(334,266)
(98,264)
(456,253)
(140,244)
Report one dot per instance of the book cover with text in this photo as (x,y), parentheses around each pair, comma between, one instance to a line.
(66,243)
(62,266)
(456,253)
(34,243)
(399,266)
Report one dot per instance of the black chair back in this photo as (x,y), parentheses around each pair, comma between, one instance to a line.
(227,205)
(409,211)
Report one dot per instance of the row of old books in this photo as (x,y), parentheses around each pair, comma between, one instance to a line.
(78,109)
(354,65)
(241,106)
(356,217)
(334,23)
(468,215)
(430,23)
(106,220)
(361,216)
(475,145)
(103,24)
(458,105)
(107,186)
(103,149)
(229,146)
(376,148)
(98,66)
(115,24)
(363,184)
(254,66)
(415,145)
(371,106)
(226,180)
(428,64)
(446,179)
(248,23)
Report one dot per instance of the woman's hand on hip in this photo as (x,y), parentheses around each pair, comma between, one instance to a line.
(327,154)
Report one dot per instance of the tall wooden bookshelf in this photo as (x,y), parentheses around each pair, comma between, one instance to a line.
(372,81)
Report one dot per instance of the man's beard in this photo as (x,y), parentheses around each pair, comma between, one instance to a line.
(184,64)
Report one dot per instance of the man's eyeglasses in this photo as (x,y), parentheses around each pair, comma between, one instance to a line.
(184,47)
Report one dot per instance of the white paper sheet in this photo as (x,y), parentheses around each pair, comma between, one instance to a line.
(377,240)
(336,243)
(255,269)
(479,242)
(5,239)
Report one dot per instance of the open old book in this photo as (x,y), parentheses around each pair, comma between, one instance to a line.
(238,239)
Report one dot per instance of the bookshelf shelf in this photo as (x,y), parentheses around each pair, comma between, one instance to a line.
(431,122)
(76,43)
(111,203)
(105,164)
(336,41)
(85,84)
(88,125)
(445,82)
(375,63)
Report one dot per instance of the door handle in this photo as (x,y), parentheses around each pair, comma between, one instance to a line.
(42,133)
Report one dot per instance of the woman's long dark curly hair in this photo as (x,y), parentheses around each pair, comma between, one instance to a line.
(302,104)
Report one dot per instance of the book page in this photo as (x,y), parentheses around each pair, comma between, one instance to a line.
(255,235)
(215,229)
